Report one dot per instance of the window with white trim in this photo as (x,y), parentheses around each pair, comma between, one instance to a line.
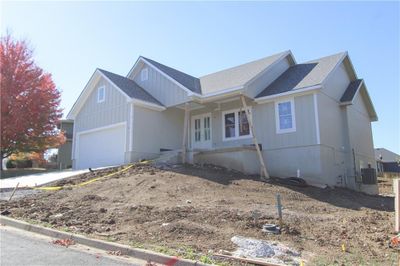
(101,94)
(285,116)
(144,74)
(235,125)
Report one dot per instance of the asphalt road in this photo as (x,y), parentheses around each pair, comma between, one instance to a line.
(18,248)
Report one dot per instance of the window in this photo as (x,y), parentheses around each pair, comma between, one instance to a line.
(144,74)
(235,125)
(285,118)
(197,130)
(101,94)
(207,128)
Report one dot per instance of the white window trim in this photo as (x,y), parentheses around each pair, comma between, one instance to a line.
(144,74)
(236,137)
(98,94)
(293,113)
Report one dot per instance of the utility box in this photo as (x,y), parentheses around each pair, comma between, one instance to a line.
(368,176)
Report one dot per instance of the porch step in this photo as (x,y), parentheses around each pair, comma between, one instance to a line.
(169,157)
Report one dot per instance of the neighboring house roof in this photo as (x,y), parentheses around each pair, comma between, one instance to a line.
(387,156)
(391,167)
(237,76)
(351,90)
(130,87)
(184,79)
(305,75)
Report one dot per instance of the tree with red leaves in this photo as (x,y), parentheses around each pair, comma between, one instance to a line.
(30,102)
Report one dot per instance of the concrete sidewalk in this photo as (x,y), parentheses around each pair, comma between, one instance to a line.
(38,179)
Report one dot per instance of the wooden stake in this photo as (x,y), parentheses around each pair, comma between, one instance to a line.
(185,129)
(396,187)
(12,194)
(250,121)
(279,207)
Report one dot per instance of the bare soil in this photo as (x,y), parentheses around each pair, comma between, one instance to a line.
(201,208)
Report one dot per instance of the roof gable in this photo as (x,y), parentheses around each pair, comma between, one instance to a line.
(130,87)
(188,81)
(351,91)
(239,75)
(358,87)
(387,156)
(129,90)
(306,75)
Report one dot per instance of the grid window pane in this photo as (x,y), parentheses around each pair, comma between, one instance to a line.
(230,125)
(244,128)
(207,131)
(285,115)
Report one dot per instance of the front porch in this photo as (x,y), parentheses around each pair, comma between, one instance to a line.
(221,133)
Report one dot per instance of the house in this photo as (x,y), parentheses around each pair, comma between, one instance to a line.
(387,163)
(311,120)
(65,151)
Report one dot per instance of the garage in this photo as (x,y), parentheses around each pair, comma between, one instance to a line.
(101,147)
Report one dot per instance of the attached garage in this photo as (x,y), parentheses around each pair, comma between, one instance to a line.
(101,147)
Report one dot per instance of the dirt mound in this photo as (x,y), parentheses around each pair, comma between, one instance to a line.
(204,207)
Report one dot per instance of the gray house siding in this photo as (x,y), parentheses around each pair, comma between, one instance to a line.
(336,84)
(360,133)
(161,88)
(284,153)
(264,80)
(154,130)
(343,128)
(114,109)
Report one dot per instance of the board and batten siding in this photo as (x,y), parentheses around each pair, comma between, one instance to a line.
(336,84)
(283,153)
(115,109)
(154,130)
(266,78)
(360,132)
(161,88)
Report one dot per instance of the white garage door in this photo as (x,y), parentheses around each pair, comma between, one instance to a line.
(103,147)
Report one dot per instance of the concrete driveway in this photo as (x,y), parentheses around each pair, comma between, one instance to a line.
(38,179)
(21,248)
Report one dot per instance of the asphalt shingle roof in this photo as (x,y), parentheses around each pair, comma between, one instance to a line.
(130,87)
(184,79)
(236,76)
(351,90)
(303,75)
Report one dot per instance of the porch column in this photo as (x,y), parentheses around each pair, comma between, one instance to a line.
(264,172)
(185,132)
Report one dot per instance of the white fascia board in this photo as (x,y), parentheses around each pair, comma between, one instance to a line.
(345,54)
(285,94)
(189,92)
(148,105)
(218,95)
(283,56)
(88,89)
(83,95)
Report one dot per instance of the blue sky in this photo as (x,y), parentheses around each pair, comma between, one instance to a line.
(72,39)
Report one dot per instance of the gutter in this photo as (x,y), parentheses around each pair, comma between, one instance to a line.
(288,93)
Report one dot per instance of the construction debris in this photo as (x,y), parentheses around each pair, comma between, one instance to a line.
(271,252)
(115,252)
(66,242)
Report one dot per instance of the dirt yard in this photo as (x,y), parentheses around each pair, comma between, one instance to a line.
(198,210)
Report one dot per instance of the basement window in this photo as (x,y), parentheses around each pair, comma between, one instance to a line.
(101,94)
(285,116)
(144,74)
(235,125)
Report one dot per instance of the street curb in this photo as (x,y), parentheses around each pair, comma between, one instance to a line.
(142,254)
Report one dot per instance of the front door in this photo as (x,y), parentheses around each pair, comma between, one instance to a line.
(201,131)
